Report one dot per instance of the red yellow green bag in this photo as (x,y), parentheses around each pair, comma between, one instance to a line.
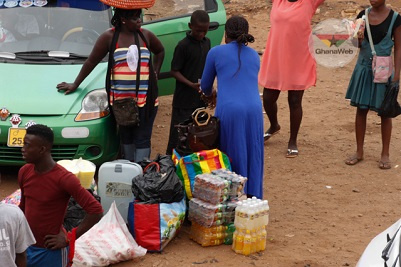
(204,161)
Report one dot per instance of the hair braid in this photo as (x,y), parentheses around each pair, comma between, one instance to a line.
(237,28)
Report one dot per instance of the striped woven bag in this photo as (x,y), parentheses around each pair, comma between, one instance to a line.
(204,161)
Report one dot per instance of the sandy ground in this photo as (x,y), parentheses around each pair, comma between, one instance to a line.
(322,212)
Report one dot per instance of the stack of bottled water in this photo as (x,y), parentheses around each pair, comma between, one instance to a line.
(211,188)
(251,219)
(208,214)
(212,236)
(212,209)
(237,182)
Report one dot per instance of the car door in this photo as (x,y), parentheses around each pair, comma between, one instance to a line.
(168,19)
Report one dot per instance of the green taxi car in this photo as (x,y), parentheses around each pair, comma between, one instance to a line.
(45,42)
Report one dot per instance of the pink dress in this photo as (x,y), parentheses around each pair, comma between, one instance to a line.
(288,62)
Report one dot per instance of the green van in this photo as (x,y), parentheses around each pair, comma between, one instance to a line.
(45,42)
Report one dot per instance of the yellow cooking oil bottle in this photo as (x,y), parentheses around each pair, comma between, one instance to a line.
(254,242)
(262,239)
(247,243)
(251,219)
(238,246)
(212,242)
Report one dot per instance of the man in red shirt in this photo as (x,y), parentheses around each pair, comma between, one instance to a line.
(46,188)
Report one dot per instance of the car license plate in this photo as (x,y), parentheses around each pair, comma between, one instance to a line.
(16,137)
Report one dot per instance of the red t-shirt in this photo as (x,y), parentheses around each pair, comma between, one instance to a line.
(44,199)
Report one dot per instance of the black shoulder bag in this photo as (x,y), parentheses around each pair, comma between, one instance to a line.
(125,110)
(153,90)
(390,108)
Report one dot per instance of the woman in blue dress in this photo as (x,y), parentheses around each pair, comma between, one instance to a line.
(239,106)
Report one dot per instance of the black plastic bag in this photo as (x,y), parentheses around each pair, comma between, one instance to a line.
(390,107)
(75,213)
(159,183)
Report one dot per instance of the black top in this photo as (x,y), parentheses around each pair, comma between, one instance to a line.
(189,59)
(379,31)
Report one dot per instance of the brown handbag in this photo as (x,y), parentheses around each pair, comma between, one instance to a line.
(126,112)
(201,132)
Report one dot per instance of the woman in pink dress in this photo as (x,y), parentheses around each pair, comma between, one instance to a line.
(288,63)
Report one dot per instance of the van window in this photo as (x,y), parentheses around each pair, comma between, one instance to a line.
(68,25)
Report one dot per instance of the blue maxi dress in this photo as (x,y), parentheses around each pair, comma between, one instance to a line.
(239,109)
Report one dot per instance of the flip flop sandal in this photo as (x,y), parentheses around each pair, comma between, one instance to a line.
(384,165)
(353,160)
(292,153)
(267,135)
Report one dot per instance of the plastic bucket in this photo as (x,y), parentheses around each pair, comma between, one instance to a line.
(86,172)
(69,166)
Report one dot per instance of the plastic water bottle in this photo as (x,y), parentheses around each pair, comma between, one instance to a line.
(247,243)
(238,220)
(238,244)
(262,239)
(259,215)
(252,213)
(230,229)
(266,211)
(212,242)
(254,242)
(245,216)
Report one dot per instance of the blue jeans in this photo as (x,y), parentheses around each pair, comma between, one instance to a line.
(140,135)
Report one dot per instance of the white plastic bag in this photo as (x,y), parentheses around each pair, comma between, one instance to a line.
(132,57)
(372,256)
(107,242)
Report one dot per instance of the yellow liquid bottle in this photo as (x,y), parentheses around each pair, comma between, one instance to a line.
(239,242)
(234,240)
(212,242)
(219,229)
(247,243)
(262,241)
(254,242)
(258,239)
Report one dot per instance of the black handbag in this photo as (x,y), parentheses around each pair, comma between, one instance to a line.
(125,110)
(200,132)
(390,108)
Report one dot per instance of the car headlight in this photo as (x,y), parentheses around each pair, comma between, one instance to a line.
(94,106)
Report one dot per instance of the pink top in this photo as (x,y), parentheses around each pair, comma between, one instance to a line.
(288,62)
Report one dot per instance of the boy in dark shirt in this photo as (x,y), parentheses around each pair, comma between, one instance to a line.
(187,67)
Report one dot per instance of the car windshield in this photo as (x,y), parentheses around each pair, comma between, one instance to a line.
(32,26)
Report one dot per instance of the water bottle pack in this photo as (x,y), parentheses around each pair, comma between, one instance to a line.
(212,236)
(211,188)
(251,219)
(207,214)
(212,210)
(218,186)
(237,182)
